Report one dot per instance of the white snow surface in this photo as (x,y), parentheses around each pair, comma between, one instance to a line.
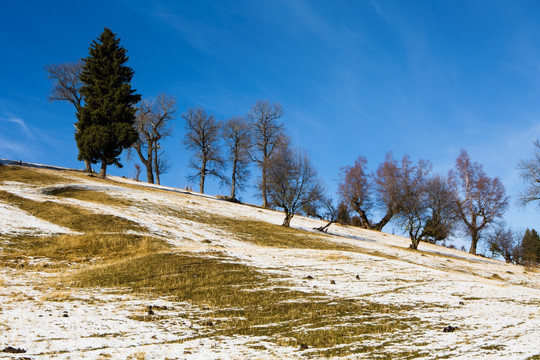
(496,306)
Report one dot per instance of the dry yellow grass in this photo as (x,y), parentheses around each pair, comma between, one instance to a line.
(72,217)
(29,175)
(58,295)
(79,248)
(254,303)
(238,299)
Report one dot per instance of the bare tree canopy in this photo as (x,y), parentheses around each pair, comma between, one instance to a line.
(268,135)
(388,180)
(416,205)
(66,83)
(355,189)
(530,172)
(442,214)
(153,123)
(504,242)
(292,182)
(66,86)
(326,211)
(237,135)
(480,200)
(202,138)
(364,193)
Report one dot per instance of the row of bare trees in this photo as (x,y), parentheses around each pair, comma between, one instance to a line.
(234,145)
(226,150)
(428,207)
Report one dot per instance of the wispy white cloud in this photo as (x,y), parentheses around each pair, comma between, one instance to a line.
(20,122)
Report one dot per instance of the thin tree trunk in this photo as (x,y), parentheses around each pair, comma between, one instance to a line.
(288,218)
(414,241)
(474,242)
(363,217)
(325,227)
(201,184)
(385,220)
(149,168)
(263,188)
(414,244)
(149,174)
(203,174)
(233,179)
(156,165)
(103,172)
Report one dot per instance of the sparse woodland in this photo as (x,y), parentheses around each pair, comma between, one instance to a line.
(428,207)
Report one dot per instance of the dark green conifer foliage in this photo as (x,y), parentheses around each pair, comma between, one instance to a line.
(106,121)
(530,246)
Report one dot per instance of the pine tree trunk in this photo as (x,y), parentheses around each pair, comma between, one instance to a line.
(103,172)
(87,166)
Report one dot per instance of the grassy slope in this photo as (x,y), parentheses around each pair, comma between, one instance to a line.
(240,299)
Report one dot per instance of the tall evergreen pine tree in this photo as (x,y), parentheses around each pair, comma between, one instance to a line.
(530,246)
(106,121)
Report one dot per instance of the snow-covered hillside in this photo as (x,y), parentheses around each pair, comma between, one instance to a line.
(451,304)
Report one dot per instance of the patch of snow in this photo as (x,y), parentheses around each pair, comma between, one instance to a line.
(494,305)
(14,221)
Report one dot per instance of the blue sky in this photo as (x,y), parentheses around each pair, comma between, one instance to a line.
(424,78)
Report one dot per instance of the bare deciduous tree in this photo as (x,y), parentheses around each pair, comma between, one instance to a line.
(237,135)
(530,172)
(268,135)
(292,181)
(413,206)
(355,189)
(137,172)
(426,209)
(504,242)
(66,86)
(442,214)
(202,137)
(364,192)
(479,199)
(153,123)
(387,189)
(329,212)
